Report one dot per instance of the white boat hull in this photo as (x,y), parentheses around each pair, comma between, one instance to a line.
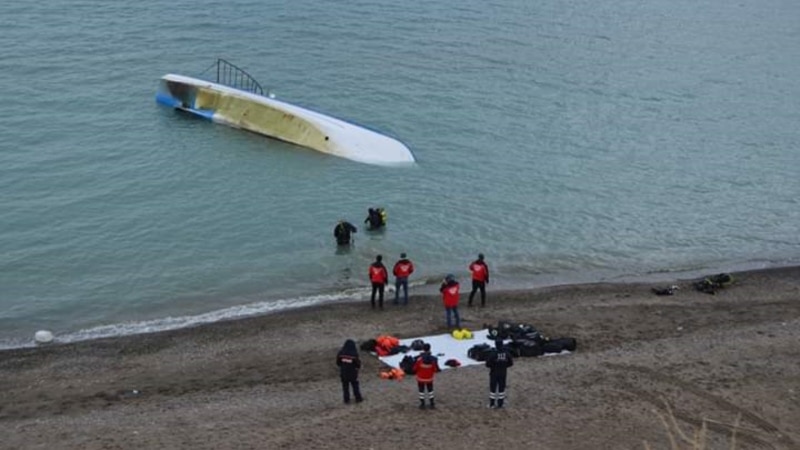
(281,120)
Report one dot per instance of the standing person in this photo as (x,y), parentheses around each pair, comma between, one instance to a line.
(402,269)
(349,364)
(342,232)
(498,361)
(379,278)
(425,367)
(480,278)
(450,294)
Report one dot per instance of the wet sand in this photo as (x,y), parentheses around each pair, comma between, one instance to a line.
(270,382)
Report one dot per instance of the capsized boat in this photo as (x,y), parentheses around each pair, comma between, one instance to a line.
(238,100)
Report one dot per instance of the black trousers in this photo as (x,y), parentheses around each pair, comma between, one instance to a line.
(377,287)
(475,286)
(497,389)
(422,387)
(346,384)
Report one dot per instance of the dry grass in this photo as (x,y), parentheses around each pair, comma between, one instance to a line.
(695,438)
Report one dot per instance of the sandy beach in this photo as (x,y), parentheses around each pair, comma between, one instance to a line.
(270,382)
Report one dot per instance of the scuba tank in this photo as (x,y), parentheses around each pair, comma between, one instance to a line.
(384,216)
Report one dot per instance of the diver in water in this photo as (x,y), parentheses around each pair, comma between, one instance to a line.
(376,218)
(342,232)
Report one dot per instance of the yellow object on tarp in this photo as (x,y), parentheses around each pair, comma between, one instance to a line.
(462,333)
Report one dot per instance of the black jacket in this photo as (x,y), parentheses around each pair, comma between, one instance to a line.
(348,361)
(374,218)
(498,361)
(342,232)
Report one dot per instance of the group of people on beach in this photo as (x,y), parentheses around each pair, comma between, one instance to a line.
(450,287)
(425,368)
(404,267)
(426,364)
(379,278)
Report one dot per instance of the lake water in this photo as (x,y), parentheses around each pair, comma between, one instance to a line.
(568,141)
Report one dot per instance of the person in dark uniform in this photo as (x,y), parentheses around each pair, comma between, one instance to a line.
(349,364)
(342,232)
(498,361)
(425,367)
(379,278)
(480,278)
(375,218)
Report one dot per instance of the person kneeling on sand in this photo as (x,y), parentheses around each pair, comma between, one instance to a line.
(425,367)
(349,364)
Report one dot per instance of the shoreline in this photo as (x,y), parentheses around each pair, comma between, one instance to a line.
(427,287)
(269,381)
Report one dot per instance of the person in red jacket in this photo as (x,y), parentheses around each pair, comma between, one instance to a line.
(425,367)
(480,278)
(402,269)
(379,278)
(450,294)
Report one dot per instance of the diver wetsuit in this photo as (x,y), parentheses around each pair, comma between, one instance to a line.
(342,232)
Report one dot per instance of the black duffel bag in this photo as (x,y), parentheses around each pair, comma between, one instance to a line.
(534,336)
(559,345)
(568,344)
(369,345)
(513,348)
(520,330)
(530,348)
(407,364)
(479,352)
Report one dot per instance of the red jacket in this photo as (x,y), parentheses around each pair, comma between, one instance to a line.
(403,268)
(480,271)
(450,294)
(426,367)
(378,274)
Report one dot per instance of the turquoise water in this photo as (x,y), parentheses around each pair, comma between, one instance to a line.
(568,141)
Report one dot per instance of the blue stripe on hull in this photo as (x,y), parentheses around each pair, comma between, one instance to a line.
(204,113)
(168,100)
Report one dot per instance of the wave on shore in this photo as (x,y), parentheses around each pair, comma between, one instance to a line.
(173,323)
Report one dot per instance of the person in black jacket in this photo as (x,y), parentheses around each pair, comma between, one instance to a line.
(375,219)
(498,362)
(349,364)
(342,232)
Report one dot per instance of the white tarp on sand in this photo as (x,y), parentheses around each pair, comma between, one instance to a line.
(444,346)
